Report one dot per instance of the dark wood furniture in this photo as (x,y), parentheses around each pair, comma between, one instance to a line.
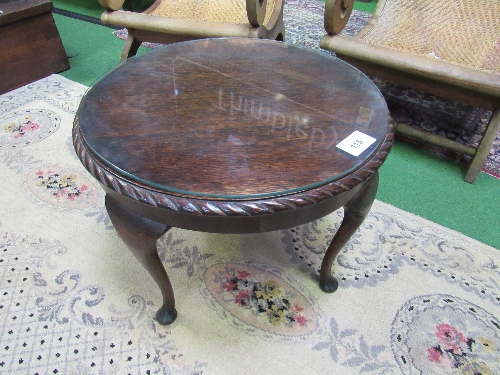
(448,48)
(231,136)
(30,45)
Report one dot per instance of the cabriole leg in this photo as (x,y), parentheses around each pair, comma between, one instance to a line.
(355,213)
(140,235)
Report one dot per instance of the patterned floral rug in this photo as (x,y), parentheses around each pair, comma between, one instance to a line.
(414,297)
(461,123)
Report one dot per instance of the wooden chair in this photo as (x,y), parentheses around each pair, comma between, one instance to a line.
(448,48)
(169,21)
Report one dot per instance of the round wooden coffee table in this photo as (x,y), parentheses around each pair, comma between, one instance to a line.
(232,136)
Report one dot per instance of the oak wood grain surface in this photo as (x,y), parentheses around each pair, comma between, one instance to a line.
(231,118)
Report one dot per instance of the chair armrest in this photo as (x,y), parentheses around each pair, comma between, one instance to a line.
(337,13)
(462,77)
(256,11)
(176,26)
(111,4)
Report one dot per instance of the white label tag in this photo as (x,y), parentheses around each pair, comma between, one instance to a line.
(356,143)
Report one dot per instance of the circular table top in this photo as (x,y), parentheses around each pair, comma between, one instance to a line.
(233,119)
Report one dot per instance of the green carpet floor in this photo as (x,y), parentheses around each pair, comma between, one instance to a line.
(411,179)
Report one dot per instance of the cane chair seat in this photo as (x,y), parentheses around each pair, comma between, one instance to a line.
(227,11)
(449,48)
(425,28)
(169,21)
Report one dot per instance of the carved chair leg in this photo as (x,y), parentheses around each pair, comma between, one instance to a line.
(484,148)
(131,46)
(355,213)
(140,235)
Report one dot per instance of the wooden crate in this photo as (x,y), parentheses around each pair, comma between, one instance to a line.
(30,45)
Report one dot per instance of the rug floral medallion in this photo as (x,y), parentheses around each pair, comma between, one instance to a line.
(414,297)
(442,334)
(26,127)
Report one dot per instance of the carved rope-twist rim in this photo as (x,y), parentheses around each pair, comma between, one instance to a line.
(214,207)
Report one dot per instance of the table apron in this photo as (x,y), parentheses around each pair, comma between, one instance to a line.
(234,224)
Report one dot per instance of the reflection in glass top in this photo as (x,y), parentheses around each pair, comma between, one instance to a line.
(234,119)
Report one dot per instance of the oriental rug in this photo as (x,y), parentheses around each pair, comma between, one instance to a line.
(414,297)
(453,120)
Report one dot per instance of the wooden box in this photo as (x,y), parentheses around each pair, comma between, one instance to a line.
(30,45)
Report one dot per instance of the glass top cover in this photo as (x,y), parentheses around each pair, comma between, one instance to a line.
(233,119)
